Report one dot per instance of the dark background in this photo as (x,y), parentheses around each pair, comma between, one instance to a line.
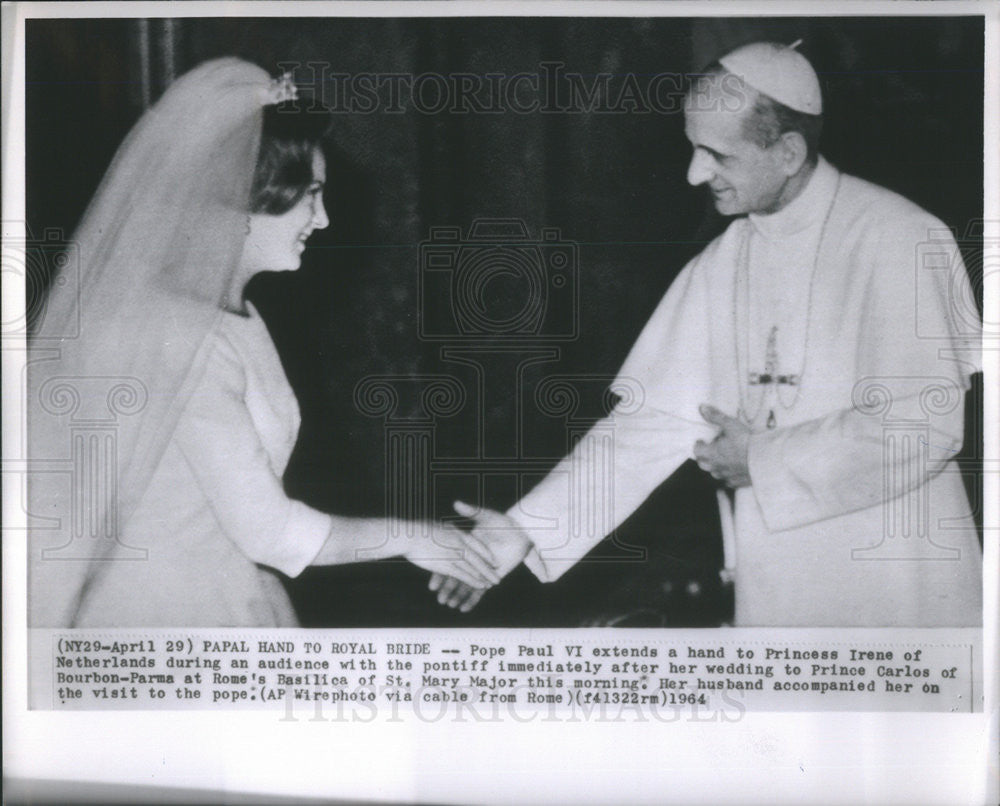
(903,101)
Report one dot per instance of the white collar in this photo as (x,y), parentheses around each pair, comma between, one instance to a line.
(808,208)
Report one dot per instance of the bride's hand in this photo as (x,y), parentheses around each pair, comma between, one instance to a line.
(454,593)
(449,551)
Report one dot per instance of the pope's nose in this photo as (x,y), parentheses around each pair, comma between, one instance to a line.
(700,170)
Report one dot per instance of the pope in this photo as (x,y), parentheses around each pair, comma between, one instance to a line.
(812,359)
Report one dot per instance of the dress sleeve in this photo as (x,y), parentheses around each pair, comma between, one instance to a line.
(907,419)
(625,456)
(220,443)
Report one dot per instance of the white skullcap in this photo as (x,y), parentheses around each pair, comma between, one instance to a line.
(779,71)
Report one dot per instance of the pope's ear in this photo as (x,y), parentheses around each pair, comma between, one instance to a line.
(794,152)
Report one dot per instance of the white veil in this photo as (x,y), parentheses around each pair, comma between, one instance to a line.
(120,344)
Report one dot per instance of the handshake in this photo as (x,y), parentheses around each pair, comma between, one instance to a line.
(466,564)
(496,541)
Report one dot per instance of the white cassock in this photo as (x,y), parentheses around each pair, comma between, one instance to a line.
(843,330)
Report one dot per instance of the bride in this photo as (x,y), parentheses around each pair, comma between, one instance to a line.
(155,388)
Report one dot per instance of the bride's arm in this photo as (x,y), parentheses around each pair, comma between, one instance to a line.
(435,547)
(223,450)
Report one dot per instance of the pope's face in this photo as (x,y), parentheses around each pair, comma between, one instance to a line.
(276,242)
(742,176)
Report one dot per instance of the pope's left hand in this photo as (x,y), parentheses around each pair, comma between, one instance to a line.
(726,456)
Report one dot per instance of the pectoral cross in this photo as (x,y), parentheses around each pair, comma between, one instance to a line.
(770,377)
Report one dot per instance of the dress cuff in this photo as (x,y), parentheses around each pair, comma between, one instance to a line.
(306,532)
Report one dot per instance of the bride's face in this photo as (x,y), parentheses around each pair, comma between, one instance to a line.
(276,242)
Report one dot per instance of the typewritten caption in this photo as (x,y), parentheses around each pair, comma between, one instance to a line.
(368,674)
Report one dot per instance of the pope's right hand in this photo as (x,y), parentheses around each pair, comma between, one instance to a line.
(449,551)
(508,543)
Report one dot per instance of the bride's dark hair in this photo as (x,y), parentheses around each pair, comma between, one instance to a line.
(291,133)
